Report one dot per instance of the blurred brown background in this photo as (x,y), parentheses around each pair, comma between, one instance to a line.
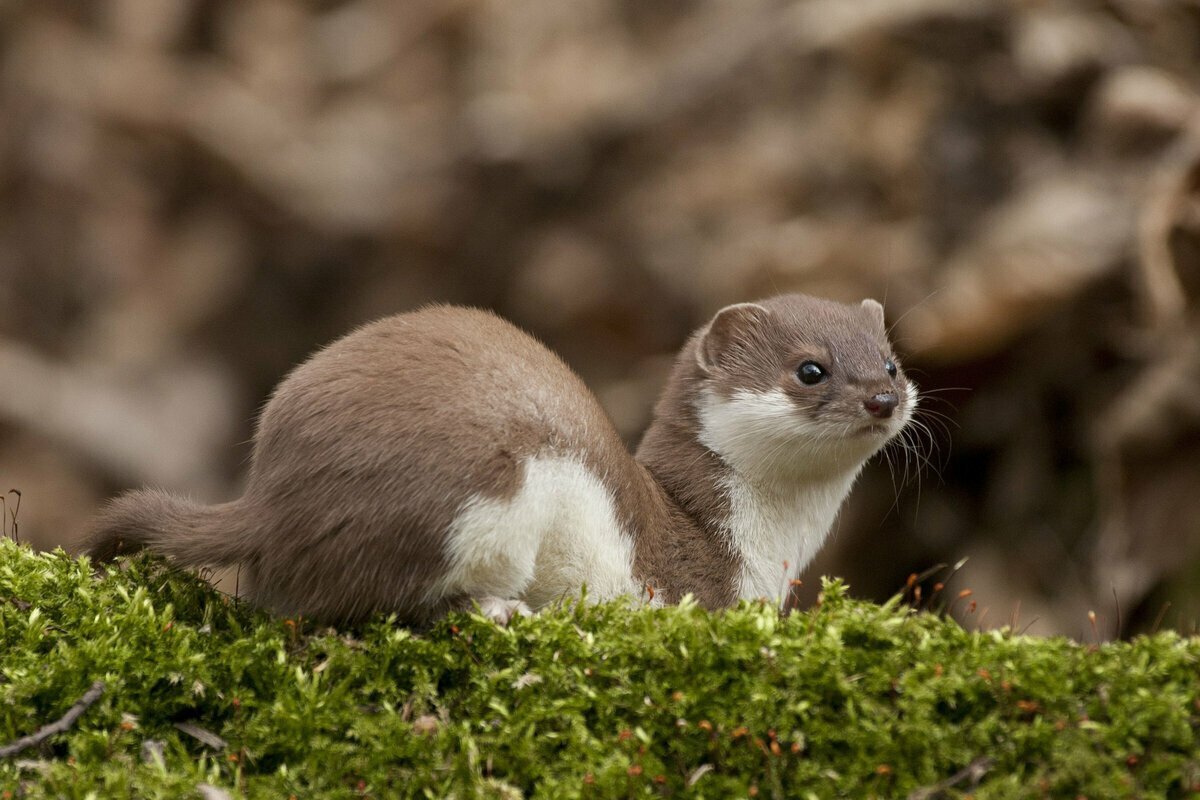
(196,193)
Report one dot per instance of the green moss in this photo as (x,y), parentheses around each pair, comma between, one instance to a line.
(851,699)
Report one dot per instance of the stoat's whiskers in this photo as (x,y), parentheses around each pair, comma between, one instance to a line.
(919,441)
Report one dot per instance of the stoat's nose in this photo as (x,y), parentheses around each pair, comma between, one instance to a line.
(881,405)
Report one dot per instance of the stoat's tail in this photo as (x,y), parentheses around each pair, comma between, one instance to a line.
(189,533)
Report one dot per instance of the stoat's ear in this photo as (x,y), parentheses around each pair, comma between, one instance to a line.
(729,323)
(876,311)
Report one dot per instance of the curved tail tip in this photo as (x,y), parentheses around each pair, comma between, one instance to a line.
(118,529)
(105,544)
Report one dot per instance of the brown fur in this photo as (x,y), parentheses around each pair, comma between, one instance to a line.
(366,452)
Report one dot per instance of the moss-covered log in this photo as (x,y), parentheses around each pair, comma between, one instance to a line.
(849,699)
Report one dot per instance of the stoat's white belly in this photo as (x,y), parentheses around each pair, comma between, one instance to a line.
(559,532)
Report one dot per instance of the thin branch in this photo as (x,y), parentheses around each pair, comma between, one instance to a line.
(13,513)
(972,773)
(60,725)
(1117,602)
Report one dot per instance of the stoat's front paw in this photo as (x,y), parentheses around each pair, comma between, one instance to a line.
(501,611)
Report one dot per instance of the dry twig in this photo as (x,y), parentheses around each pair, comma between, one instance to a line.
(60,725)
(972,773)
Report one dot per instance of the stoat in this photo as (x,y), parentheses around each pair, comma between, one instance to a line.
(442,457)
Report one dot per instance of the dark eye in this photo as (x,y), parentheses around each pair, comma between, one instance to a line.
(890,366)
(811,373)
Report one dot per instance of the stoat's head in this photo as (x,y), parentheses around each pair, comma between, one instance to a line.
(797,384)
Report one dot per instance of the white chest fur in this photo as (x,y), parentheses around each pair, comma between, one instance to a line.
(786,482)
(777,529)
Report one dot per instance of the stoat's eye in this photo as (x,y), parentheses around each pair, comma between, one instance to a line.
(890,366)
(811,373)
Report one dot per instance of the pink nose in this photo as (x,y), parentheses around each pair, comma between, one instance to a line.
(881,405)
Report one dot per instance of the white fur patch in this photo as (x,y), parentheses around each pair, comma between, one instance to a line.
(778,529)
(752,430)
(911,407)
(557,533)
(788,478)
